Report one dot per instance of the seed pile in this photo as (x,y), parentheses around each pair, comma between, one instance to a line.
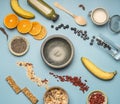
(31,75)
(76,81)
(18,45)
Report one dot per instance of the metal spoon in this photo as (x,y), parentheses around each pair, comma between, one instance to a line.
(78,19)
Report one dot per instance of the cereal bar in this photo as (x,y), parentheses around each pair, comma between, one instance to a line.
(29,95)
(13,84)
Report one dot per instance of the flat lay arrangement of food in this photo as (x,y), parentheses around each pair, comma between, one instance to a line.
(59,51)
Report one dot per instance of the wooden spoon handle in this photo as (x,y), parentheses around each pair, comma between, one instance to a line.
(56,4)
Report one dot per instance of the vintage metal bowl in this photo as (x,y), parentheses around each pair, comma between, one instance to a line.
(57,51)
(56,94)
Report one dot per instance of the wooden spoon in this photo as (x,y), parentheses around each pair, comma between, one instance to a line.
(78,19)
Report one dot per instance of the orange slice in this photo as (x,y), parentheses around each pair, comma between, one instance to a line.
(11,21)
(24,26)
(42,34)
(36,28)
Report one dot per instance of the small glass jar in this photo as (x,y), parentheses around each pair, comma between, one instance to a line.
(114,23)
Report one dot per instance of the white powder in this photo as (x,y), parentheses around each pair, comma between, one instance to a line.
(100,16)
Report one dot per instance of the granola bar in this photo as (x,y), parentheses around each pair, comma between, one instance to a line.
(29,95)
(13,85)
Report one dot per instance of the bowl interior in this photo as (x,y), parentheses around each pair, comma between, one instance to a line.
(57,52)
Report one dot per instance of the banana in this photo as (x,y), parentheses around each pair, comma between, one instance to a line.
(20,11)
(101,74)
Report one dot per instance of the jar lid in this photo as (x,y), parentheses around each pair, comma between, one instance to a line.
(114,23)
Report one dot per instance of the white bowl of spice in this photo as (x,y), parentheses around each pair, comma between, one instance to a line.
(97,97)
(55,95)
(99,16)
(18,45)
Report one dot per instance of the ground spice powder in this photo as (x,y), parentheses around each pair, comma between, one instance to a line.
(75,80)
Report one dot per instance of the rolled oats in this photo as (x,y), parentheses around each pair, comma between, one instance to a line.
(31,75)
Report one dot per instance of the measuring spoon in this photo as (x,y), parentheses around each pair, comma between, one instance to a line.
(78,19)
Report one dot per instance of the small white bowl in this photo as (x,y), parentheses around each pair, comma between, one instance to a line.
(99,16)
(57,92)
(18,53)
(97,91)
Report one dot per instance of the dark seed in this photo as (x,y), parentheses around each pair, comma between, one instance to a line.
(92,40)
(84,38)
(56,28)
(75,32)
(91,43)
(93,37)
(81,36)
(82,6)
(81,31)
(78,34)
(67,26)
(85,32)
(52,26)
(87,38)
(61,25)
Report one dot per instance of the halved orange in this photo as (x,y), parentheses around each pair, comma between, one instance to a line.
(36,28)
(11,21)
(24,26)
(42,34)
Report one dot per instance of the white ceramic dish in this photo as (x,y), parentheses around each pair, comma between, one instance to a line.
(17,53)
(99,16)
(57,51)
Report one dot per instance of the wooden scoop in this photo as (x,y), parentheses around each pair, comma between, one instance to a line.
(78,19)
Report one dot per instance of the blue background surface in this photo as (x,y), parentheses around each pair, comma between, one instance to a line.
(82,48)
